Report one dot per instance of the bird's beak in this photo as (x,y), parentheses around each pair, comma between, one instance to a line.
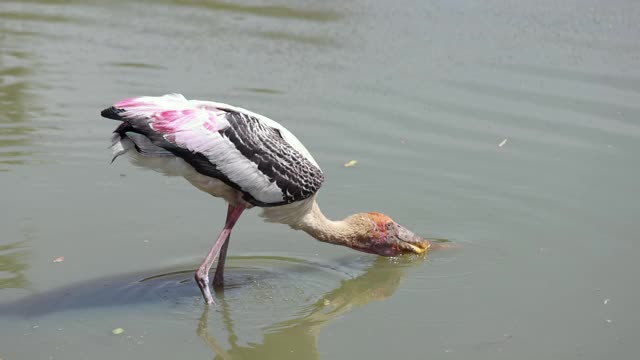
(410,242)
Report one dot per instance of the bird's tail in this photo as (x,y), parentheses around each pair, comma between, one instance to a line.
(112,113)
(145,107)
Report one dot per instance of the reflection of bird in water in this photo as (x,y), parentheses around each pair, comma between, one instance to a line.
(248,160)
(297,338)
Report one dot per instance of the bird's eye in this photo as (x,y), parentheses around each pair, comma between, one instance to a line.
(389,226)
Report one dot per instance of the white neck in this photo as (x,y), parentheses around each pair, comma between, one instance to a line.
(306,216)
(320,227)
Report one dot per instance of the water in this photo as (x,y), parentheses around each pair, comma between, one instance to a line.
(420,93)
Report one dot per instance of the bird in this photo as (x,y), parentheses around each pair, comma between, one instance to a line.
(250,161)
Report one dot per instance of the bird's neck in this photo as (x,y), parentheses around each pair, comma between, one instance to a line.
(342,232)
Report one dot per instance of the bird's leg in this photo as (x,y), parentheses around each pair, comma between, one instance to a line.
(218,278)
(202,274)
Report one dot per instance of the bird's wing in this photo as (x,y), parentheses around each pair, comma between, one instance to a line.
(227,143)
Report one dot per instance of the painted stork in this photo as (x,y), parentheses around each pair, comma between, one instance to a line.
(248,160)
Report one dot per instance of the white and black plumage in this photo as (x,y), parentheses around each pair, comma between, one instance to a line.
(246,151)
(249,160)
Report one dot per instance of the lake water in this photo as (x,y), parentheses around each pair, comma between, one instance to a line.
(422,94)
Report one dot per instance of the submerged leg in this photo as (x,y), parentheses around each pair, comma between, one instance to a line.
(218,278)
(202,274)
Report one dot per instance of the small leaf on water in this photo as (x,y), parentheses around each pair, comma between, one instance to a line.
(502,143)
(58,259)
(117,331)
(350,163)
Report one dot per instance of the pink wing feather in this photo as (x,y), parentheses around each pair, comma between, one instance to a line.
(176,118)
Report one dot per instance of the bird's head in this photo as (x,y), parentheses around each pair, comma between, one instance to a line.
(385,237)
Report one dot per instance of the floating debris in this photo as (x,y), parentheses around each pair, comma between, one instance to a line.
(608,321)
(58,259)
(502,143)
(117,331)
(350,163)
(606,301)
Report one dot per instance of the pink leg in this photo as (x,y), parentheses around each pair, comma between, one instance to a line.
(202,274)
(218,278)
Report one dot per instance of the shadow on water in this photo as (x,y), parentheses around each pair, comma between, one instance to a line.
(342,287)
(269,273)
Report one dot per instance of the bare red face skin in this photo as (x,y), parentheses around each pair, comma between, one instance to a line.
(381,221)
(391,239)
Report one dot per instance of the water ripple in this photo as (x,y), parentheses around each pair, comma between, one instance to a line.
(606,116)
(276,11)
(620,82)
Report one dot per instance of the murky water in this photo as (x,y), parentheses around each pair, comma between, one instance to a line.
(421,93)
